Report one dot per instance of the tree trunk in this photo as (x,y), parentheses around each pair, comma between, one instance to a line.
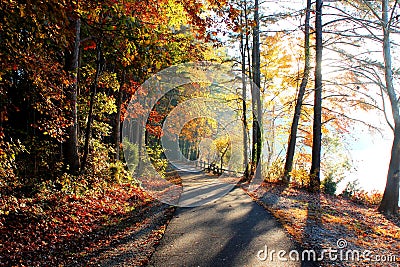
(117,124)
(244,106)
(222,161)
(300,96)
(187,149)
(389,204)
(315,181)
(270,142)
(250,169)
(89,122)
(141,126)
(256,99)
(71,157)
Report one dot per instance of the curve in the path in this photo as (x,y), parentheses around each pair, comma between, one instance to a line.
(229,231)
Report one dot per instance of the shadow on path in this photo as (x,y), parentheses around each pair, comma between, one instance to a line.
(230,231)
(313,224)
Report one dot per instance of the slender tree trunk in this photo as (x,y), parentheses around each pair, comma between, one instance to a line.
(117,125)
(300,96)
(187,149)
(222,161)
(223,153)
(244,105)
(389,203)
(140,128)
(315,181)
(271,136)
(89,122)
(256,100)
(247,48)
(71,156)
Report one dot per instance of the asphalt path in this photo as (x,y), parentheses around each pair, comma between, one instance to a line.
(232,230)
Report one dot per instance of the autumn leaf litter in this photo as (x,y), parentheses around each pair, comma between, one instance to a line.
(318,221)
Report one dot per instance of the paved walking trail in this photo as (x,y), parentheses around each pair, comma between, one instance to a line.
(229,231)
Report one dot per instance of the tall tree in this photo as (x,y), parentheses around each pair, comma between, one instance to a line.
(93,91)
(244,98)
(315,181)
(71,156)
(117,120)
(256,99)
(377,20)
(362,31)
(389,204)
(300,96)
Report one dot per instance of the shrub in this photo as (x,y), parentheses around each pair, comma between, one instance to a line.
(300,178)
(329,184)
(156,155)
(8,164)
(131,154)
(351,189)
(370,199)
(119,172)
(275,171)
(70,184)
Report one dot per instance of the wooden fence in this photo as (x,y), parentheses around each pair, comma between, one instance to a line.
(212,167)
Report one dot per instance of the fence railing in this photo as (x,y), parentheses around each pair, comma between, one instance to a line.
(214,168)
